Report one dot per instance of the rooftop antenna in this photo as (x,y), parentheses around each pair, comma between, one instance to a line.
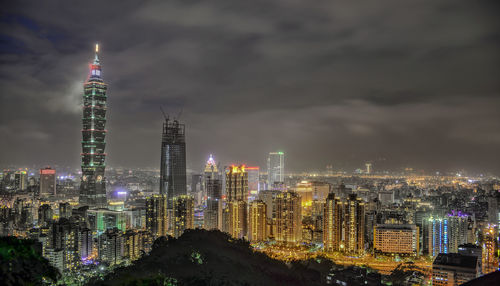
(164,115)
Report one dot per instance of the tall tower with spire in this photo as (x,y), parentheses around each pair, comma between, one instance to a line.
(93,185)
(213,189)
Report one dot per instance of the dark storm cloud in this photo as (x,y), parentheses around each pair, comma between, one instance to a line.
(328,82)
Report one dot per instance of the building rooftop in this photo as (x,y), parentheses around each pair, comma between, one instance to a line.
(455,259)
(486,280)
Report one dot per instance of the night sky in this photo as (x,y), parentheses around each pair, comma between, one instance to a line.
(398,83)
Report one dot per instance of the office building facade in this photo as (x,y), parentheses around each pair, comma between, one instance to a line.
(47,182)
(275,168)
(173,160)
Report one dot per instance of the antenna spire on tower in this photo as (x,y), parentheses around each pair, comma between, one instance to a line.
(96,60)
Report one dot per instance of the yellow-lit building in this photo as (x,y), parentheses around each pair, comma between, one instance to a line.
(237,184)
(305,191)
(183,214)
(401,239)
(490,249)
(331,228)
(156,215)
(236,219)
(257,228)
(132,249)
(352,218)
(288,218)
(236,214)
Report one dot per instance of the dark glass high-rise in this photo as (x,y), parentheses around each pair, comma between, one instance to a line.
(173,160)
(93,185)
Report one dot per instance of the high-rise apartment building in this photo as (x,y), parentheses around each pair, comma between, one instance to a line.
(354,224)
(332,225)
(47,182)
(491,239)
(156,215)
(20,180)
(173,160)
(288,218)
(183,214)
(86,243)
(237,184)
(438,235)
(237,199)
(257,227)
(275,168)
(93,184)
(236,219)
(64,235)
(111,247)
(344,224)
(458,226)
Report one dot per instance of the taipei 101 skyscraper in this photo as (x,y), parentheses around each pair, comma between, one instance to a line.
(93,184)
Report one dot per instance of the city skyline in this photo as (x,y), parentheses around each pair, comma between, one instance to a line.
(323,92)
(250,143)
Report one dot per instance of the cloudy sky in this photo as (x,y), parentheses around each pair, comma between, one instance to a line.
(399,83)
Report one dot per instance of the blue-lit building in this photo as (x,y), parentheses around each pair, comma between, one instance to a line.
(438,236)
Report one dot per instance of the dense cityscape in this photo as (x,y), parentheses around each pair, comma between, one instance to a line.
(227,143)
(442,229)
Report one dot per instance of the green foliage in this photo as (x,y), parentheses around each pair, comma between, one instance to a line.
(201,257)
(22,264)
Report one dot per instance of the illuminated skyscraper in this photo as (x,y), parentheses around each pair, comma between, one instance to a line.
(183,214)
(344,224)
(93,185)
(288,218)
(275,168)
(253,180)
(173,160)
(213,213)
(111,247)
(64,235)
(236,219)
(156,215)
(237,199)
(331,224)
(491,251)
(438,236)
(354,224)
(86,243)
(237,183)
(21,180)
(458,227)
(257,221)
(47,182)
